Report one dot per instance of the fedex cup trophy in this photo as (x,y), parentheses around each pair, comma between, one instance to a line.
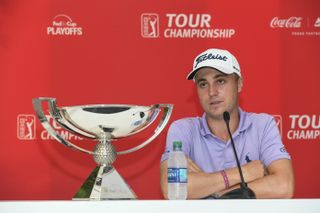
(104,123)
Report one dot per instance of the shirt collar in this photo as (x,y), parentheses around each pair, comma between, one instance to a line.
(204,126)
(244,123)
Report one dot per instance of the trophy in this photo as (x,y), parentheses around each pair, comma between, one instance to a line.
(103,123)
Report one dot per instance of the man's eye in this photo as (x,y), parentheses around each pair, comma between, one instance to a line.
(221,81)
(202,84)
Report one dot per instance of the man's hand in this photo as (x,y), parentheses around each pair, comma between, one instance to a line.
(279,183)
(253,170)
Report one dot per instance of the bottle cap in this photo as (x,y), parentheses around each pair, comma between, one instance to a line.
(177,145)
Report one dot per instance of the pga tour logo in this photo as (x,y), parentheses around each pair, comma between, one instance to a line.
(149,25)
(26,127)
(278,120)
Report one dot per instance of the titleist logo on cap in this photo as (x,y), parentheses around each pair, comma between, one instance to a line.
(209,56)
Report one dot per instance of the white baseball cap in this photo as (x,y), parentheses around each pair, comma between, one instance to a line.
(222,60)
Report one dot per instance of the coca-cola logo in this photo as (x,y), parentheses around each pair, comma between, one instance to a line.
(292,22)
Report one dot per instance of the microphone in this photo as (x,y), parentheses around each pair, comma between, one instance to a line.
(244,192)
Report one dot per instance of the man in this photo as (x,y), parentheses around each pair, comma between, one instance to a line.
(212,166)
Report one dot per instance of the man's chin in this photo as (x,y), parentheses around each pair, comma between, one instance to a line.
(216,115)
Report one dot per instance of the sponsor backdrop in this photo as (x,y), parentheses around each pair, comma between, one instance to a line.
(139,52)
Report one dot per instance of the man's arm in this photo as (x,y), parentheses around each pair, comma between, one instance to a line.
(278,183)
(201,184)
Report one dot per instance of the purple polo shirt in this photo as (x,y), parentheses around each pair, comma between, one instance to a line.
(257,138)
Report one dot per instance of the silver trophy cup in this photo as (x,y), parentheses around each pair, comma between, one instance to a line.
(103,123)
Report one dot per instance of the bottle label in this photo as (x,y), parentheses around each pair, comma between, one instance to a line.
(177,175)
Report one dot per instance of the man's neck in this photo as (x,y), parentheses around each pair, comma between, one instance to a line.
(218,126)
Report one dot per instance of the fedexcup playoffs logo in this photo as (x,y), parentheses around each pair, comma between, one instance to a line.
(63,25)
(26,127)
(181,25)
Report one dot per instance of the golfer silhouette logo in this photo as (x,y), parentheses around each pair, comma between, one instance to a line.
(150,25)
(26,127)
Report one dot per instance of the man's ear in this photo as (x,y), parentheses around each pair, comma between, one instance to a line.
(240,84)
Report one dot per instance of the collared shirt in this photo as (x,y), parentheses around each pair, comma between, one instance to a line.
(257,138)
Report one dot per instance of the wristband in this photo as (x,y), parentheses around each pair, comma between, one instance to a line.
(225,178)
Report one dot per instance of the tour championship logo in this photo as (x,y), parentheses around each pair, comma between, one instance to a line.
(26,129)
(64,26)
(304,127)
(180,25)
(297,26)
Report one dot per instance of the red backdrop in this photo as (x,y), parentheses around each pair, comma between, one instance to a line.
(139,52)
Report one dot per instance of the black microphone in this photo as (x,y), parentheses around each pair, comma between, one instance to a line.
(244,192)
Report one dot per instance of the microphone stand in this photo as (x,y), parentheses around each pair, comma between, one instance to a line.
(244,192)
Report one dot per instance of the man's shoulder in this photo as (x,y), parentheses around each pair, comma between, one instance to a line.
(258,118)
(187,122)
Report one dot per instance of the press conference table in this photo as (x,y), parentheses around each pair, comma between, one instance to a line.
(163,206)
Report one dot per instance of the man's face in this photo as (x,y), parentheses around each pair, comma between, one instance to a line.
(217,92)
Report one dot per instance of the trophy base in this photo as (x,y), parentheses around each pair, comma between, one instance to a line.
(105,183)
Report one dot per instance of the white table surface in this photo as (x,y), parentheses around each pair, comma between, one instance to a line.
(164,206)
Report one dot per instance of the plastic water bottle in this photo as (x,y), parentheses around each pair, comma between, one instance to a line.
(177,173)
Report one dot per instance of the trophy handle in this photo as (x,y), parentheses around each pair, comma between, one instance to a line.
(37,105)
(164,120)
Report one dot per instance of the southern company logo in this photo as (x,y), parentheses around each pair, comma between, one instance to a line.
(180,25)
(63,25)
(317,23)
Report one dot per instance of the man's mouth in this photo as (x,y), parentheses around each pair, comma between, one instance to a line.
(214,103)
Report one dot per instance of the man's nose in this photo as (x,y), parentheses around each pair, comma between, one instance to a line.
(213,90)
